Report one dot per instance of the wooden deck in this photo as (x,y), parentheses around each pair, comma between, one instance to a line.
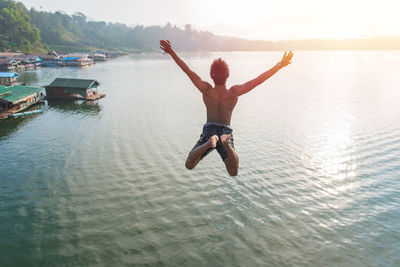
(4,114)
(95,97)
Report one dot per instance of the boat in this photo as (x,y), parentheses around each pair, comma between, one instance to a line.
(26,113)
(99,57)
(8,78)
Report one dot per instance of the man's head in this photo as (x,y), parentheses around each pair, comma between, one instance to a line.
(219,71)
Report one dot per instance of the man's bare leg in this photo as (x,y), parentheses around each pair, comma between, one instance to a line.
(195,154)
(232,161)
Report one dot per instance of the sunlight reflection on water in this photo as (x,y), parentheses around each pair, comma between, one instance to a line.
(104,184)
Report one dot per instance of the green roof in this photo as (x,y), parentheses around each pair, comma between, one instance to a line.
(74,83)
(19,92)
(4,90)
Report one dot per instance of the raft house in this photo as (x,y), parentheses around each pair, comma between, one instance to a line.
(77,61)
(31,62)
(8,64)
(51,60)
(64,88)
(8,78)
(99,57)
(16,98)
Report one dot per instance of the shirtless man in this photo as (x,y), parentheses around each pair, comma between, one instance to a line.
(220,102)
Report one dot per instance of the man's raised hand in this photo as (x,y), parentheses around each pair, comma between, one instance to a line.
(286,59)
(166,46)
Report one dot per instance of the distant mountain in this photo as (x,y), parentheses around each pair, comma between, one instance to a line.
(27,30)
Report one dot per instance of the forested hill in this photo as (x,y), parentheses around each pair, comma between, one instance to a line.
(16,29)
(27,30)
(32,30)
(23,29)
(64,32)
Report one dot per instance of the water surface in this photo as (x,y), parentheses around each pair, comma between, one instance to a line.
(104,183)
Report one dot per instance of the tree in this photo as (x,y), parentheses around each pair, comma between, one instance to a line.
(15,24)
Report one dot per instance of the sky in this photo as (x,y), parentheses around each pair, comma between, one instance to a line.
(251,19)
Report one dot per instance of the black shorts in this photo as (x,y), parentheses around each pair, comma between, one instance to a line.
(210,129)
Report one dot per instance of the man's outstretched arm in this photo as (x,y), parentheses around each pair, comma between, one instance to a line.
(241,89)
(203,86)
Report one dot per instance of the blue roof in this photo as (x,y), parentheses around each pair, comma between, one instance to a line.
(33,59)
(8,74)
(71,58)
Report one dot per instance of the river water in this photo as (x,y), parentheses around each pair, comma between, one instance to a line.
(104,183)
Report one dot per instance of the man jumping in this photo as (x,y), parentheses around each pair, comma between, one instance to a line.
(220,102)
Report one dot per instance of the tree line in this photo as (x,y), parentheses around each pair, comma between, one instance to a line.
(16,29)
(27,30)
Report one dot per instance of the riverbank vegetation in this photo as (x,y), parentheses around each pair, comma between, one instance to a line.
(38,31)
(16,30)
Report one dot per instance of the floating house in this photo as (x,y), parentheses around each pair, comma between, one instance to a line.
(16,98)
(62,88)
(4,90)
(71,61)
(31,61)
(99,57)
(14,61)
(8,78)
(76,61)
(8,64)
(51,61)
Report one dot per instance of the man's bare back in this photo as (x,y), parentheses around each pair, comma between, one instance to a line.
(220,102)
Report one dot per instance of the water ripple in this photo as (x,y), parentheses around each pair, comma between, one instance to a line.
(105,183)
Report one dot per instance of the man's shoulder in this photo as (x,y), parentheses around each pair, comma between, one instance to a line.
(233,88)
(231,92)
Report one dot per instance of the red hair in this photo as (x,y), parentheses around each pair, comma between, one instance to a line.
(219,71)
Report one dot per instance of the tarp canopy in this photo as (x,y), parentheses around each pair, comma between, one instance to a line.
(19,92)
(31,59)
(70,58)
(8,74)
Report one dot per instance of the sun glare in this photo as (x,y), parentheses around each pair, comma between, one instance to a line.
(304,19)
(252,19)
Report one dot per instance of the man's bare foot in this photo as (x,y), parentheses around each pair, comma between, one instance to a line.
(213,141)
(225,139)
